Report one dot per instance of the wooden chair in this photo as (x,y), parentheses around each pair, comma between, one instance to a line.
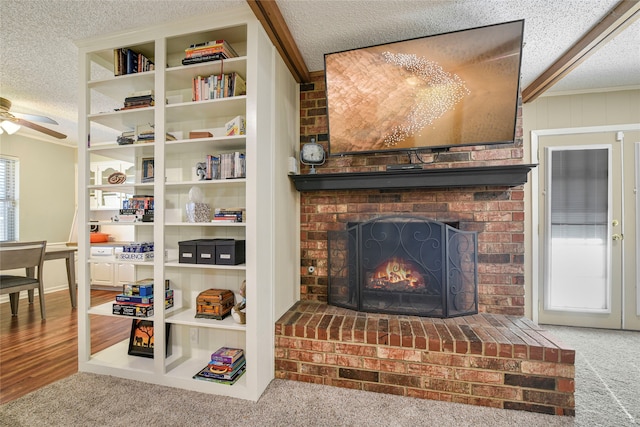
(18,255)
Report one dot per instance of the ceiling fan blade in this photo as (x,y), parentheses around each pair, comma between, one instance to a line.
(42,129)
(35,118)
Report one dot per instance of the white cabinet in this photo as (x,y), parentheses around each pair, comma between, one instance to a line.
(271,109)
(106,272)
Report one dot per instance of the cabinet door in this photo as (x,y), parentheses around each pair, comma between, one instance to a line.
(125,273)
(102,273)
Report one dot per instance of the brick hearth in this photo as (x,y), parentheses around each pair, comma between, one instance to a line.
(486,359)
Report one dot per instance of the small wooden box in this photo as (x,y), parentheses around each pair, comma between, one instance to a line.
(214,304)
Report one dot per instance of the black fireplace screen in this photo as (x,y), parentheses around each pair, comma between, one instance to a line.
(404,265)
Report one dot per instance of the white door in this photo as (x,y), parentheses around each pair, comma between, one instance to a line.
(587,230)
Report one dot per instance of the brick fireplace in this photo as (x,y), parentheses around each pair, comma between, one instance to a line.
(493,358)
(495,212)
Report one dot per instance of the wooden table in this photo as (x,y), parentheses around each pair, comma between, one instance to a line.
(68,253)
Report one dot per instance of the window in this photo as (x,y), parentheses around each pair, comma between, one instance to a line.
(8,198)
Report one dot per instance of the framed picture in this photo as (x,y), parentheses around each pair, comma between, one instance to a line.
(147,169)
(141,339)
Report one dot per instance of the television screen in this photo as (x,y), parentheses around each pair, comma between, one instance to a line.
(454,89)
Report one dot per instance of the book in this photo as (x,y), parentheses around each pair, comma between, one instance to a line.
(205,58)
(222,381)
(212,167)
(127,61)
(132,309)
(239,165)
(138,98)
(227,354)
(217,86)
(239,86)
(132,62)
(209,50)
(131,107)
(134,299)
(142,299)
(138,93)
(223,44)
(236,126)
(225,368)
(230,215)
(213,371)
(196,134)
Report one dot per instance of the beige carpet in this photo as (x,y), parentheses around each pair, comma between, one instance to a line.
(606,396)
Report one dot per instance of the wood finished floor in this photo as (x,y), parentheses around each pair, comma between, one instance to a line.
(34,353)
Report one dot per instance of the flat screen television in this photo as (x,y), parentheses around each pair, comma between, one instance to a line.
(453,89)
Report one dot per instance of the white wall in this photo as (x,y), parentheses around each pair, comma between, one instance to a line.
(568,111)
(47,196)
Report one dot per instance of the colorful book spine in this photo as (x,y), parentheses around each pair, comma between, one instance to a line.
(141,299)
(227,355)
(221,381)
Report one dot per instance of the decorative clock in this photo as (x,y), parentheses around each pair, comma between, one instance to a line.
(312,154)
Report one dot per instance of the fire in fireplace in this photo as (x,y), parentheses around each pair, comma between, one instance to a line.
(396,274)
(404,265)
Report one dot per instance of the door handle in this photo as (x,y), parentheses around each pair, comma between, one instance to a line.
(617,237)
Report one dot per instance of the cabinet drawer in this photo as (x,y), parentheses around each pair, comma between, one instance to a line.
(101,251)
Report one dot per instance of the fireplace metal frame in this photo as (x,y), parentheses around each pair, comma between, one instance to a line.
(455,272)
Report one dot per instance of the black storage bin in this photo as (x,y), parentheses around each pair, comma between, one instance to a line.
(230,252)
(188,250)
(206,250)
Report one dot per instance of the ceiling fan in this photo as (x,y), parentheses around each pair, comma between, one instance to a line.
(11,122)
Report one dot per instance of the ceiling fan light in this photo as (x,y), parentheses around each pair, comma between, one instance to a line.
(10,127)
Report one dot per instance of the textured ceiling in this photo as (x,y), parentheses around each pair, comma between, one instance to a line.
(38,57)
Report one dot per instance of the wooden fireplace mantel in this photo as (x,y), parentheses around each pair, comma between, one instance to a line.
(502,175)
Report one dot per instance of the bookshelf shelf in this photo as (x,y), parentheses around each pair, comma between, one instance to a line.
(180,77)
(198,110)
(124,120)
(119,87)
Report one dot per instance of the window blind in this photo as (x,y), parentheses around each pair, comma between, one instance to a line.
(8,199)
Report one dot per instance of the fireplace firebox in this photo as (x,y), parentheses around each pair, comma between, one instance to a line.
(404,265)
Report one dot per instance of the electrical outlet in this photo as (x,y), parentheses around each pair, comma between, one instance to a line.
(194,335)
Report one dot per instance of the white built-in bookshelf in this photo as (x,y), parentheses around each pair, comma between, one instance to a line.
(271,229)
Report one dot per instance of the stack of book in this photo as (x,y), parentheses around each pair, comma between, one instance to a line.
(226,366)
(140,99)
(218,86)
(127,61)
(136,252)
(208,51)
(136,299)
(229,215)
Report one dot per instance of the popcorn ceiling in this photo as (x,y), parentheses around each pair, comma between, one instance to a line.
(39,63)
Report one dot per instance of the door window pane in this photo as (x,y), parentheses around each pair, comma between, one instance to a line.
(578,252)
